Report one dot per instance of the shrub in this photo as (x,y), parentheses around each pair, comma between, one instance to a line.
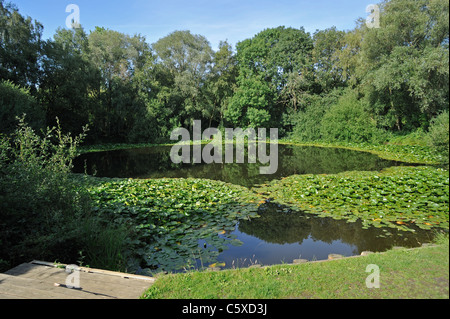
(417,138)
(307,122)
(16,101)
(438,135)
(348,121)
(44,209)
(39,203)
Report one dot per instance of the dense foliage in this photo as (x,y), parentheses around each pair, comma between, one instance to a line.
(367,86)
(361,85)
(40,205)
(438,136)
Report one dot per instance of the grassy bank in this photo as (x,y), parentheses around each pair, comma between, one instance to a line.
(404,273)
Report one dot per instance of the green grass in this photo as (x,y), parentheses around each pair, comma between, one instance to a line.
(404,273)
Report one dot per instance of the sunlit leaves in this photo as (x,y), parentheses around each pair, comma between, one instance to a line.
(399,197)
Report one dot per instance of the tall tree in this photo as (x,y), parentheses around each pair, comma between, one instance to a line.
(221,83)
(185,62)
(118,57)
(328,44)
(70,82)
(20,47)
(266,64)
(404,63)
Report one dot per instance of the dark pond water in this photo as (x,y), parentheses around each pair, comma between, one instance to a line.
(280,234)
(155,162)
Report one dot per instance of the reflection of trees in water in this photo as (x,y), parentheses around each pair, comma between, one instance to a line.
(154,162)
(130,163)
(317,160)
(279,225)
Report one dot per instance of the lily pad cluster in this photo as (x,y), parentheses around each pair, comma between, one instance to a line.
(179,224)
(399,197)
(176,223)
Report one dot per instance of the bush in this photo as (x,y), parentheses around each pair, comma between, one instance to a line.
(438,135)
(416,138)
(348,121)
(16,101)
(40,205)
(307,122)
(43,207)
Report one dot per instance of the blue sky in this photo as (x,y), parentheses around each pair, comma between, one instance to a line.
(232,20)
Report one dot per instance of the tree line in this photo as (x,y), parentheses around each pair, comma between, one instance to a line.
(360,85)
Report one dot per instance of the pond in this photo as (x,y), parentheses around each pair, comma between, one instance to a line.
(279,235)
(155,162)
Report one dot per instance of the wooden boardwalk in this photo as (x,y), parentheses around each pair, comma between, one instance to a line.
(42,280)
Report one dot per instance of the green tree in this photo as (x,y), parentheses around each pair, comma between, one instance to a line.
(20,47)
(266,63)
(221,83)
(307,122)
(15,102)
(348,58)
(328,44)
(404,63)
(184,64)
(251,104)
(348,121)
(438,135)
(150,124)
(70,83)
(118,57)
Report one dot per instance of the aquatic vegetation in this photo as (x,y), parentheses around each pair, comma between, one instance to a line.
(397,197)
(170,217)
(185,223)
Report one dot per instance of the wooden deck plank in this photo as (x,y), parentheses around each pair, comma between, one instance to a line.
(98,271)
(31,289)
(28,270)
(41,280)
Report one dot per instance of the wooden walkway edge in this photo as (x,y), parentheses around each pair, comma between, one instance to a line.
(43,280)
